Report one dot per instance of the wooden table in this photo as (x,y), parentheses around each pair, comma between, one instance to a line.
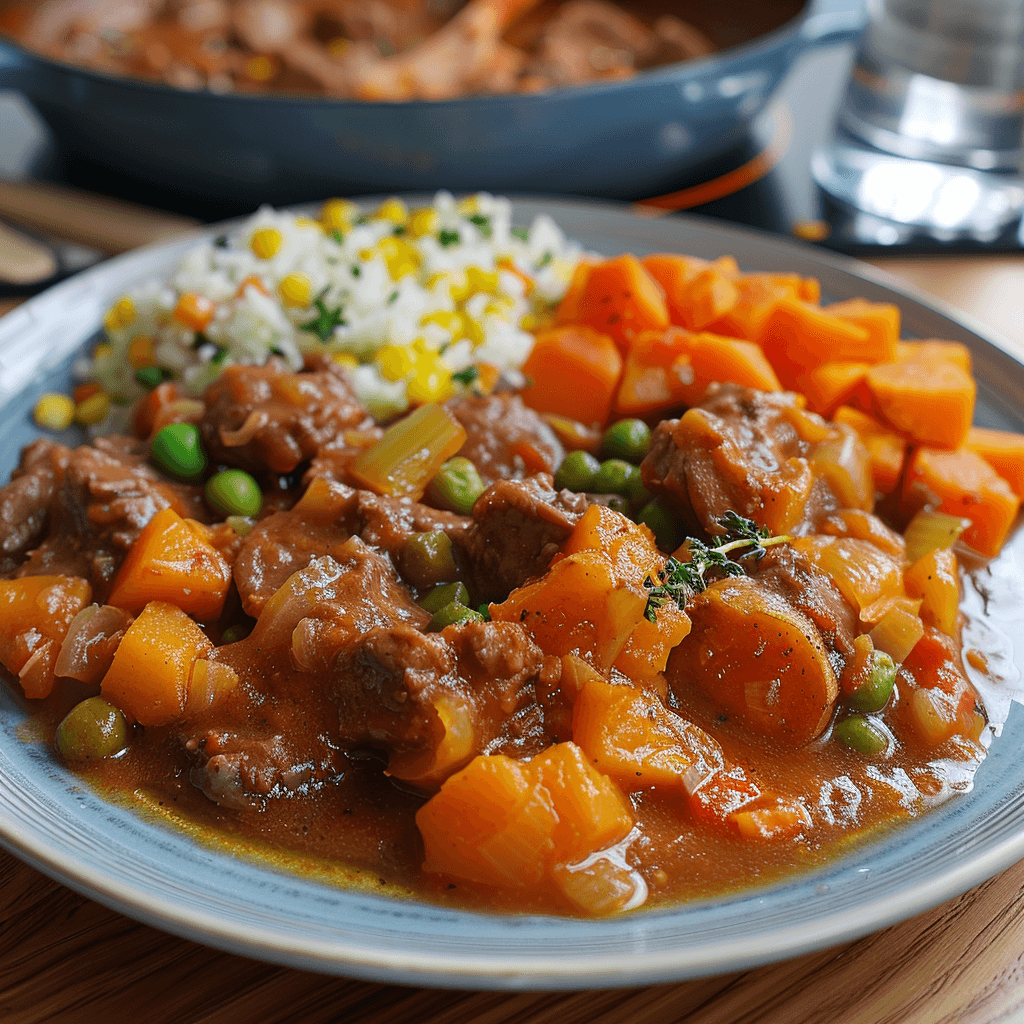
(64,958)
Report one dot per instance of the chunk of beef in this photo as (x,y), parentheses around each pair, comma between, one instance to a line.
(26,500)
(432,702)
(518,527)
(321,523)
(107,494)
(266,417)
(275,735)
(761,455)
(504,438)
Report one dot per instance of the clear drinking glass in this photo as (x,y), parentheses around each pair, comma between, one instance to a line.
(932,125)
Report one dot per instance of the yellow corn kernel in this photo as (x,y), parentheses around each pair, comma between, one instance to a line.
(423,222)
(307,222)
(367,254)
(481,280)
(469,206)
(499,306)
(54,412)
(530,322)
(401,257)
(120,314)
(432,382)
(393,210)
(395,362)
(338,214)
(447,319)
(471,329)
(266,243)
(93,409)
(260,68)
(140,352)
(345,359)
(435,279)
(296,290)
(102,351)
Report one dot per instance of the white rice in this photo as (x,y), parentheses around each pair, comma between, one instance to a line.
(408,303)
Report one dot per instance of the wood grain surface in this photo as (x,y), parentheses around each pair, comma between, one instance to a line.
(65,958)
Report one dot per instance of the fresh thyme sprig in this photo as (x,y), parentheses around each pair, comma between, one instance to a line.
(680,581)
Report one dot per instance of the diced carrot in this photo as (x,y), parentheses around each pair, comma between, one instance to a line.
(963,484)
(578,606)
(152,668)
(716,359)
(630,546)
(592,811)
(931,402)
(573,371)
(832,384)
(758,295)
(621,299)
(35,613)
(935,350)
(631,736)
(194,311)
(784,819)
(505,822)
(646,650)
(173,560)
(722,794)
(569,309)
(798,336)
(674,273)
(711,294)
(935,580)
(1003,450)
(880,319)
(655,377)
(886,448)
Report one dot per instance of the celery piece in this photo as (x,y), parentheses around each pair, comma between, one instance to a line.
(410,453)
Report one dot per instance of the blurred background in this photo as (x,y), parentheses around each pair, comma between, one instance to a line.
(887,127)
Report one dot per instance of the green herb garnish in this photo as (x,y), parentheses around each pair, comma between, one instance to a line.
(323,324)
(337,236)
(544,260)
(680,581)
(521,233)
(446,237)
(467,376)
(482,222)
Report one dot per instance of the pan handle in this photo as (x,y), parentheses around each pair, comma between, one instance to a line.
(829,22)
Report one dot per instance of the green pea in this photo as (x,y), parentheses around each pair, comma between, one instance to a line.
(178,450)
(92,730)
(150,376)
(577,471)
(614,476)
(638,494)
(456,486)
(627,439)
(658,518)
(876,689)
(233,634)
(242,525)
(428,558)
(445,594)
(232,492)
(617,503)
(862,734)
(452,613)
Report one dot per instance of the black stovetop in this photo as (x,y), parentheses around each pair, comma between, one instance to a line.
(766,183)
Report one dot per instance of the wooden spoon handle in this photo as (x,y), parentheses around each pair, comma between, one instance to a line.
(110,225)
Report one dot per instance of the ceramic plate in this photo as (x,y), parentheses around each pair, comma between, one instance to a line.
(157,875)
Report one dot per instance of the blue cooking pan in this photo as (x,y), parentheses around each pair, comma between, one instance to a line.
(618,140)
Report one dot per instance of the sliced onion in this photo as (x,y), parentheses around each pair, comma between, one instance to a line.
(91,641)
(931,530)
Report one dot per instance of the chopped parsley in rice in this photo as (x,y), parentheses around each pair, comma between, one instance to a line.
(417,303)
